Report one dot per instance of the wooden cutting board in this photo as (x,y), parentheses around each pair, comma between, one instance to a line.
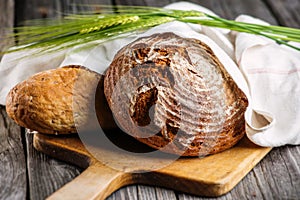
(209,176)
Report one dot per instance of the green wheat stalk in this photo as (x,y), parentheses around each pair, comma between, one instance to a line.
(119,21)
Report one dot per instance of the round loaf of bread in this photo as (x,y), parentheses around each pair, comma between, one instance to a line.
(58,100)
(173,94)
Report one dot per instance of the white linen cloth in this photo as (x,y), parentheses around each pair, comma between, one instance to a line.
(266,72)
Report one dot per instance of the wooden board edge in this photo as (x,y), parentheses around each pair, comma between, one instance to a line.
(68,155)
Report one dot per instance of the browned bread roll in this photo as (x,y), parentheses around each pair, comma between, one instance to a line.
(173,94)
(50,101)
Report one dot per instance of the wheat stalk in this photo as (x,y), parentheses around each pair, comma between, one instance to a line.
(119,21)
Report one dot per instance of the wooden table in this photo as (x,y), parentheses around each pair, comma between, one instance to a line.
(28,174)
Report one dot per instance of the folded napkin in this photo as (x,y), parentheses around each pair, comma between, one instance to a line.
(273,75)
(265,71)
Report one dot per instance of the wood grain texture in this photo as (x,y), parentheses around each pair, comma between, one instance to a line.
(277,176)
(213,175)
(159,3)
(13,183)
(6,23)
(33,9)
(76,6)
(286,12)
(128,192)
(230,9)
(46,174)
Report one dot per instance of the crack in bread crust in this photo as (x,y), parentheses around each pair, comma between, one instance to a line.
(173,94)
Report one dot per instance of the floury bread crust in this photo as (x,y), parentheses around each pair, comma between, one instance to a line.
(173,94)
(52,101)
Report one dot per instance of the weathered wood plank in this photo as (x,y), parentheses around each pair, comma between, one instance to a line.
(129,192)
(77,6)
(281,169)
(277,176)
(46,174)
(6,23)
(13,183)
(162,193)
(135,192)
(264,182)
(144,3)
(32,9)
(146,192)
(230,9)
(286,12)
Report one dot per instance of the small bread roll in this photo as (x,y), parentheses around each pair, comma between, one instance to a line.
(173,94)
(53,101)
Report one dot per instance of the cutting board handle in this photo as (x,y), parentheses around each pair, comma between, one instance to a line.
(96,182)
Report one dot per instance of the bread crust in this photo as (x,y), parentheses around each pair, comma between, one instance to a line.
(173,94)
(50,101)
